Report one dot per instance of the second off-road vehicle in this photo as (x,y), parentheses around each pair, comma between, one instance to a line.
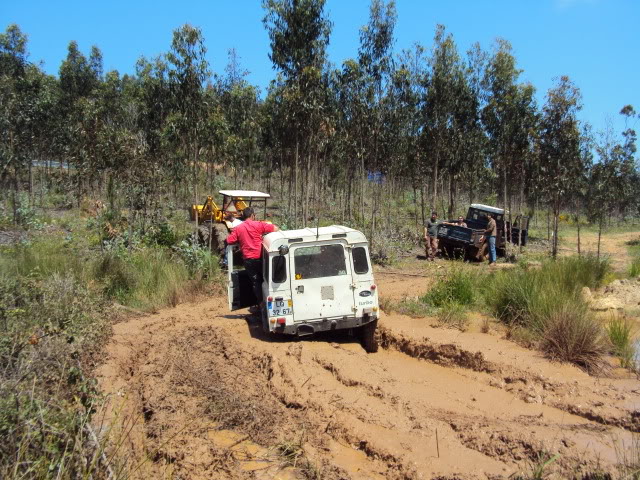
(456,240)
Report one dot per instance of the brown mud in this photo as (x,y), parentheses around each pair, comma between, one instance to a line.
(198,392)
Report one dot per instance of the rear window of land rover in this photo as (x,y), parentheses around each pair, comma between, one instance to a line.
(279,269)
(360,263)
(319,261)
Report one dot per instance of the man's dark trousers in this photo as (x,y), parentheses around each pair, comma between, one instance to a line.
(254,269)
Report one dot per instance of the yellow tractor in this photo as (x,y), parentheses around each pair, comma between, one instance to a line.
(216,222)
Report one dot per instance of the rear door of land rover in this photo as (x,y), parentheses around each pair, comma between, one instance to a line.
(321,281)
(239,288)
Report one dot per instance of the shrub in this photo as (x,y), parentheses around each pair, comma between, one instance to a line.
(45,401)
(546,305)
(577,272)
(42,258)
(458,287)
(161,234)
(526,297)
(620,332)
(572,334)
(145,279)
(201,262)
(510,296)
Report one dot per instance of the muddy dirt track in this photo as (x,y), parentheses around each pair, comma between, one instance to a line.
(197,392)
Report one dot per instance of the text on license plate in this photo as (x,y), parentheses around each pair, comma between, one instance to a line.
(280,307)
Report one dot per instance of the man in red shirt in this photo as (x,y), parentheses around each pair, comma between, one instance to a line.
(249,235)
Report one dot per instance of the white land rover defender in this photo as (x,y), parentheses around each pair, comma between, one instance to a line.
(315,279)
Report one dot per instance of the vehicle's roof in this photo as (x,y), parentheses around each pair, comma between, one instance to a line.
(244,193)
(487,208)
(311,234)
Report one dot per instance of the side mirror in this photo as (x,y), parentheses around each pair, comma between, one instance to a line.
(283,250)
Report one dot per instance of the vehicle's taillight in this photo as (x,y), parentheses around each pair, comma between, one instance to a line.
(281,321)
(269,299)
(373,287)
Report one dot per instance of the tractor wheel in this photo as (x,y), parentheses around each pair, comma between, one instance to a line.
(368,337)
(203,234)
(220,234)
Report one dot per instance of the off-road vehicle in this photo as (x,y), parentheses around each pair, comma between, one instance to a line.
(315,279)
(455,239)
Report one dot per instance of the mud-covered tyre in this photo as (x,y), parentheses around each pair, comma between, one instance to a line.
(368,337)
(448,251)
(220,233)
(204,231)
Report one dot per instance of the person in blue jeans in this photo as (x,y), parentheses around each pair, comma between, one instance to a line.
(490,236)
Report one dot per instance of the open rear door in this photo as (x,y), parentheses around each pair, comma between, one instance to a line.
(239,288)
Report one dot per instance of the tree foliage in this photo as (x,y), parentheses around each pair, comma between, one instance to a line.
(430,124)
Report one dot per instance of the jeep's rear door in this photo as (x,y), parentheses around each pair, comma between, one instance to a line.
(239,288)
(321,281)
(365,291)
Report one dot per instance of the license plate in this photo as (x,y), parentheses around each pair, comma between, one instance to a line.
(280,307)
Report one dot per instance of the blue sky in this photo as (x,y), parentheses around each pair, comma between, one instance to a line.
(595,42)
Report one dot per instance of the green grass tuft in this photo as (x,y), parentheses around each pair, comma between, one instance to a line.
(459,287)
(634,268)
(146,280)
(620,332)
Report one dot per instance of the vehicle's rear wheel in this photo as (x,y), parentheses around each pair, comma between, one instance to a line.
(368,337)
(448,251)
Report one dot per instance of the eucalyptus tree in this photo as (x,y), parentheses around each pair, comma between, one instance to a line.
(474,140)
(561,159)
(299,34)
(603,179)
(188,73)
(353,128)
(240,106)
(629,183)
(376,62)
(408,93)
(510,120)
(26,104)
(14,124)
(79,81)
(445,87)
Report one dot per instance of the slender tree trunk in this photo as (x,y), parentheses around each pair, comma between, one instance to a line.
(363,184)
(556,214)
(578,224)
(600,222)
(422,206)
(435,180)
(415,206)
(548,224)
(296,205)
